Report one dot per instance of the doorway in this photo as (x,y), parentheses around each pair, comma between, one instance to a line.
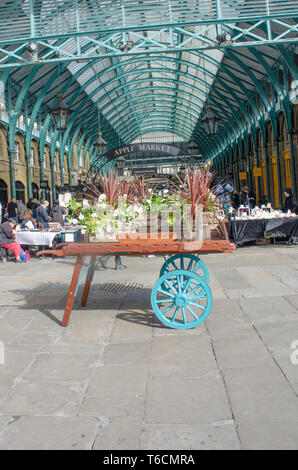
(20,191)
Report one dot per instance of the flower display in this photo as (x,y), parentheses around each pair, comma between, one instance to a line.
(120,205)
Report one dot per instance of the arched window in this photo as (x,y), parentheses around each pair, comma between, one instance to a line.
(35,191)
(32,162)
(17,152)
(20,191)
(3,193)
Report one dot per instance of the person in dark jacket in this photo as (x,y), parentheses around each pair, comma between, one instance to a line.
(7,239)
(290,201)
(12,210)
(57,213)
(42,216)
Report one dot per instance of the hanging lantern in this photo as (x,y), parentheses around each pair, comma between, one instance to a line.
(61,114)
(193,148)
(121,163)
(210,122)
(100,145)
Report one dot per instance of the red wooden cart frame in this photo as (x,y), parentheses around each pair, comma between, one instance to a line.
(164,244)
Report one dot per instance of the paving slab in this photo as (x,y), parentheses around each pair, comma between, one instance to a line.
(270,310)
(58,366)
(243,351)
(221,436)
(120,433)
(50,433)
(177,400)
(32,398)
(107,381)
(264,435)
(116,378)
(261,394)
(183,356)
(113,406)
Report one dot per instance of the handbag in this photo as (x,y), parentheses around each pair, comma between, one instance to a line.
(23,256)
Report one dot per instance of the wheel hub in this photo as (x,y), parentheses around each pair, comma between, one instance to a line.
(180,300)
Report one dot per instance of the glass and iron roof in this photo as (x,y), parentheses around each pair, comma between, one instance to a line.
(135,67)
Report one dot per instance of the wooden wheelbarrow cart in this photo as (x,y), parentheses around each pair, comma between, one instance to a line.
(181,297)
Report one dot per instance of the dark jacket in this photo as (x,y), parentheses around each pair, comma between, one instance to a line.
(290,202)
(57,214)
(6,234)
(42,217)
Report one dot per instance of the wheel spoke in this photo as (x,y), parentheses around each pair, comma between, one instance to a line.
(197,305)
(164,300)
(184,317)
(175,313)
(194,288)
(174,264)
(180,284)
(169,294)
(189,267)
(201,295)
(186,285)
(167,309)
(182,262)
(171,287)
(192,312)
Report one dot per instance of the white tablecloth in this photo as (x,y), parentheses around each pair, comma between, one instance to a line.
(36,238)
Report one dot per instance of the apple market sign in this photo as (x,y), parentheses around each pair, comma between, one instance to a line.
(142,147)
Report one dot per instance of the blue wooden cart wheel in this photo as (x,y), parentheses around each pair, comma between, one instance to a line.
(181,299)
(186,262)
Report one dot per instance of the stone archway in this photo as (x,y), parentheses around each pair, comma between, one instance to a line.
(3,194)
(20,191)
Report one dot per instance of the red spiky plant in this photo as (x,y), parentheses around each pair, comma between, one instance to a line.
(197,187)
(140,189)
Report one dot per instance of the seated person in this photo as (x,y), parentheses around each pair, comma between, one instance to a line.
(28,221)
(7,239)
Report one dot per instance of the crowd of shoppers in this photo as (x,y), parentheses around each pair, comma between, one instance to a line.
(33,215)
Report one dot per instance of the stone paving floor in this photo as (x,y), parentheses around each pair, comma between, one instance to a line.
(117,379)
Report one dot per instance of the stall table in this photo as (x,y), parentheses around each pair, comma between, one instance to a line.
(242,231)
(34,237)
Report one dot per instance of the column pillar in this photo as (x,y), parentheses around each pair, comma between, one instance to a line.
(276,140)
(13,193)
(29,182)
(292,162)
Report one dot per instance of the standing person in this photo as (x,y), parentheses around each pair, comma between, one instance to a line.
(34,205)
(12,210)
(7,239)
(236,199)
(42,216)
(57,213)
(20,210)
(290,201)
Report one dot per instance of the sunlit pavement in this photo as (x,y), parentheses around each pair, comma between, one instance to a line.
(115,378)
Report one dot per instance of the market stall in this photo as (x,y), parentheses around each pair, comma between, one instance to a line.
(259,223)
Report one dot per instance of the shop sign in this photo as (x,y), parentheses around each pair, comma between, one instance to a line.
(257,171)
(44,184)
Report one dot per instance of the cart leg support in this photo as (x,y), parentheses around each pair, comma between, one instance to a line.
(88,282)
(72,290)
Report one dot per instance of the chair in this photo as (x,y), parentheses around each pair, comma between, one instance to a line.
(3,254)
